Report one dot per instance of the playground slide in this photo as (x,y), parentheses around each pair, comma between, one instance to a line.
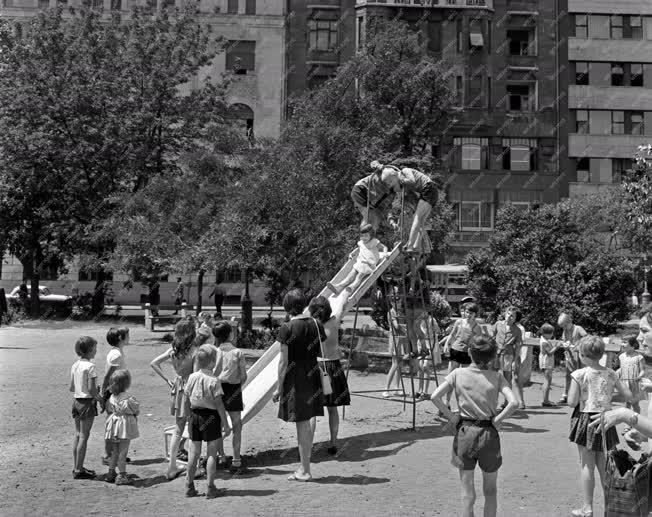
(263,374)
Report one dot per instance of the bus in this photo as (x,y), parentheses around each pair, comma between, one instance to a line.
(450,280)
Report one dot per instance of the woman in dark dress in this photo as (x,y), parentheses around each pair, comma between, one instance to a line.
(299,386)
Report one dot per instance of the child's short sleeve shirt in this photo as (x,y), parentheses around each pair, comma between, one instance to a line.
(116,359)
(81,373)
(476,391)
(596,388)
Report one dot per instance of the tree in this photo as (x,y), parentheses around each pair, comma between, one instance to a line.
(296,192)
(543,262)
(636,193)
(92,110)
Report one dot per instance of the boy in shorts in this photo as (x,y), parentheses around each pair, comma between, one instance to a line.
(509,341)
(477,389)
(207,422)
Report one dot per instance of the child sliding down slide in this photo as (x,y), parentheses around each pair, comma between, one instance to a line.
(371,252)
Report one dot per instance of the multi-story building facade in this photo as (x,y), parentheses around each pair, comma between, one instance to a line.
(320,37)
(610,91)
(508,67)
(254,58)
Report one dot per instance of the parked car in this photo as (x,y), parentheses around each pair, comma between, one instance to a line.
(50,302)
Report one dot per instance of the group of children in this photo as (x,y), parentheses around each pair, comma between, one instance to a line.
(479,381)
(122,409)
(206,395)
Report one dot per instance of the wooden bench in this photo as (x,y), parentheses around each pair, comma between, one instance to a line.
(151,320)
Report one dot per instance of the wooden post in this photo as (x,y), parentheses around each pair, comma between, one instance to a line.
(183,309)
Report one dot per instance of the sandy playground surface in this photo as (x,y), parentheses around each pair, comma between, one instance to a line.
(384,468)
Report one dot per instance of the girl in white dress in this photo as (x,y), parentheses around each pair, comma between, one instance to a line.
(632,370)
(371,250)
(121,425)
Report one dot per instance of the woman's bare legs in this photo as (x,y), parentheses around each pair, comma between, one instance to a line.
(180,425)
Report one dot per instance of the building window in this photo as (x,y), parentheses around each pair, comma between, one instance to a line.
(473,152)
(581,26)
(43,4)
(582,73)
(521,97)
(636,124)
(617,74)
(250,7)
(460,35)
(476,36)
(583,170)
(522,42)
(459,90)
(434,36)
(476,215)
(636,74)
(520,154)
(616,26)
(116,5)
(488,92)
(617,122)
(619,166)
(323,35)
(242,117)
(241,57)
(634,29)
(232,7)
(582,122)
(358,33)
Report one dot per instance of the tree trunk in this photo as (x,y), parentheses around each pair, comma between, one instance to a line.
(247,306)
(35,302)
(97,304)
(200,287)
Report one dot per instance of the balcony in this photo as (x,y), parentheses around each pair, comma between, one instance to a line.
(594,49)
(454,4)
(609,97)
(578,189)
(605,146)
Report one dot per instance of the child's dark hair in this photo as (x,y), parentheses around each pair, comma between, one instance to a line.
(116,334)
(222,331)
(366,228)
(320,308)
(483,351)
(184,336)
(84,345)
(205,356)
(472,307)
(546,330)
(120,381)
(592,347)
(294,302)
(632,340)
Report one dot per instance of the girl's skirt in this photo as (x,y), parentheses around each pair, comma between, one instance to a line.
(340,395)
(635,387)
(179,403)
(581,434)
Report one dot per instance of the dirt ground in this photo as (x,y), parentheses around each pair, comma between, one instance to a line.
(383,468)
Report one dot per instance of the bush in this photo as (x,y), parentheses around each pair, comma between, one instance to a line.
(256,339)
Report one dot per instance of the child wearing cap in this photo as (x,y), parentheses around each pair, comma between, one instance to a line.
(371,250)
(477,389)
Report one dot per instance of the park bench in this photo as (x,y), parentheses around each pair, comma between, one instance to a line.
(151,320)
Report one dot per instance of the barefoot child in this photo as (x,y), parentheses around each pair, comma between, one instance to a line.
(632,370)
(590,393)
(231,371)
(397,342)
(509,340)
(547,360)
(477,389)
(207,419)
(83,383)
(117,338)
(182,356)
(368,258)
(121,425)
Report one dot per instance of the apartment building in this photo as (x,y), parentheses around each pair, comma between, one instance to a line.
(319,39)
(508,67)
(610,91)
